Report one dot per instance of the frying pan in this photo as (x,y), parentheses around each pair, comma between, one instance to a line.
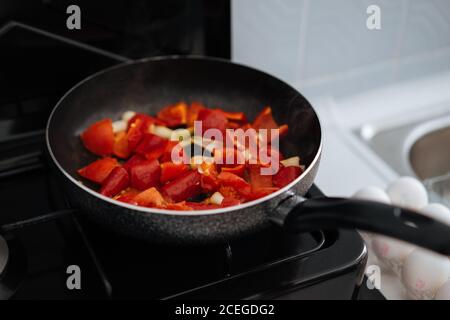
(147,85)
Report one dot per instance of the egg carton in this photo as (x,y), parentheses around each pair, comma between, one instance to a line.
(424,275)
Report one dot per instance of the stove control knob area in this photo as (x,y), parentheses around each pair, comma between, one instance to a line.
(4,253)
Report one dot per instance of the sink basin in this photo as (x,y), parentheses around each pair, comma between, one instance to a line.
(419,147)
(430,154)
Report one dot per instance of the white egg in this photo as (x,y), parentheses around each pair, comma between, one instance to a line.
(443,292)
(391,252)
(372,193)
(408,192)
(424,272)
(437,211)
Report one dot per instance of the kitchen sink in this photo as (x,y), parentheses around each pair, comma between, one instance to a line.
(417,147)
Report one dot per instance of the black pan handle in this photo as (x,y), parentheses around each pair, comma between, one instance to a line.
(400,223)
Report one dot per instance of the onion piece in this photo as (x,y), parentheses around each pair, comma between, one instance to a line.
(127,115)
(161,131)
(216,198)
(119,126)
(291,162)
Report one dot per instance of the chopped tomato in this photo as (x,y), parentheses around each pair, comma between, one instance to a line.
(174,115)
(170,171)
(212,119)
(186,186)
(98,170)
(116,181)
(152,146)
(145,174)
(120,148)
(231,180)
(99,138)
(285,176)
(150,198)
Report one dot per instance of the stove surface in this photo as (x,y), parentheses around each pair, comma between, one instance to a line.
(46,239)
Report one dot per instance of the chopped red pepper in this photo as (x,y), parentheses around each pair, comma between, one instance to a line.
(128,196)
(257,180)
(167,154)
(285,176)
(212,119)
(170,171)
(179,206)
(137,158)
(238,170)
(152,146)
(174,115)
(192,115)
(116,181)
(151,198)
(235,116)
(202,206)
(228,202)
(135,133)
(98,170)
(145,174)
(99,138)
(262,192)
(186,186)
(120,148)
(231,180)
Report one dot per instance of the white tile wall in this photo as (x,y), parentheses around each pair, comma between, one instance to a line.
(324,46)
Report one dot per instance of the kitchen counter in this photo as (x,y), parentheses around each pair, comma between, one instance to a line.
(348,163)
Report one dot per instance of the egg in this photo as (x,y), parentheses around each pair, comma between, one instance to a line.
(424,272)
(408,192)
(391,252)
(437,211)
(372,193)
(444,292)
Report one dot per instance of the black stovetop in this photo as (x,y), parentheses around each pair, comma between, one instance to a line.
(46,237)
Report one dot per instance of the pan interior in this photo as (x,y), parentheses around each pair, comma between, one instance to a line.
(148,85)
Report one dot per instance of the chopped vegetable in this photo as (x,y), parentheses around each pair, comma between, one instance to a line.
(99,138)
(98,170)
(116,181)
(157,169)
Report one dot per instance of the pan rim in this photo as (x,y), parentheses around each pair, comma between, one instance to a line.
(147,210)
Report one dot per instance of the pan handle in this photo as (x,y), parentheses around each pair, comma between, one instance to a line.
(332,213)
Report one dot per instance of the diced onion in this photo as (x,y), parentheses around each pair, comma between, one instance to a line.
(180,135)
(196,161)
(216,198)
(127,115)
(119,126)
(291,162)
(161,131)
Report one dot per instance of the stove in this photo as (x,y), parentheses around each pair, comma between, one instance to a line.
(45,242)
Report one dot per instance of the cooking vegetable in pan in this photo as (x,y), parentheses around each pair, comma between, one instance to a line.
(137,166)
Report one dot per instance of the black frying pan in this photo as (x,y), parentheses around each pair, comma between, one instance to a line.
(149,84)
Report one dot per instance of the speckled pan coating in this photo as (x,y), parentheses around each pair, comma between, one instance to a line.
(147,85)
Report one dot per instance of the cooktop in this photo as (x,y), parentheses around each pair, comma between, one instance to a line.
(49,250)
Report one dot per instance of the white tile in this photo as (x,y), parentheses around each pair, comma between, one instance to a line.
(266,35)
(428,27)
(338,39)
